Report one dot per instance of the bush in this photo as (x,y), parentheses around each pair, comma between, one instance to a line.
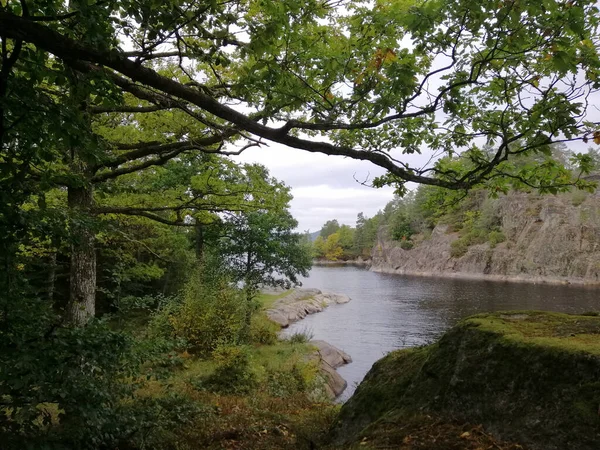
(458,248)
(233,374)
(263,331)
(286,383)
(496,237)
(62,387)
(301,337)
(406,244)
(211,313)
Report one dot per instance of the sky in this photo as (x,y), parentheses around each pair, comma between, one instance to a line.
(324,187)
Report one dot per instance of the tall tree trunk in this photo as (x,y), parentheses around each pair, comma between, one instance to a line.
(82,297)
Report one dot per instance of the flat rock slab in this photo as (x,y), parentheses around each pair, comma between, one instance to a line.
(300,303)
(331,354)
(328,358)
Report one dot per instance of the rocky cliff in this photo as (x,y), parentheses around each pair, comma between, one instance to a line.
(554,239)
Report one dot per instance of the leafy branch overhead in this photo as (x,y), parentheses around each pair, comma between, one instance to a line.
(371,81)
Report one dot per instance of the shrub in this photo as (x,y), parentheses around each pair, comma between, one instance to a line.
(495,237)
(62,387)
(284,383)
(458,248)
(301,337)
(234,373)
(210,313)
(263,331)
(406,244)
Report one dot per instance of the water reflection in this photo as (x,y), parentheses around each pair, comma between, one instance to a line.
(388,312)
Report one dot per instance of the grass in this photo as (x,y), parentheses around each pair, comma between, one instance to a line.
(267,300)
(284,408)
(571,333)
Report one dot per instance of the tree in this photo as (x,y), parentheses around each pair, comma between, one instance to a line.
(333,250)
(78,107)
(460,83)
(346,234)
(260,248)
(366,233)
(330,227)
(319,247)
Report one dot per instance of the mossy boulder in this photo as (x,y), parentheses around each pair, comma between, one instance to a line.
(530,377)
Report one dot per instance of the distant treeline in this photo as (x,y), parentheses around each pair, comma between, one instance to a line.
(410,219)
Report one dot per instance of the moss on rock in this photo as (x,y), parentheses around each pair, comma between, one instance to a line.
(532,377)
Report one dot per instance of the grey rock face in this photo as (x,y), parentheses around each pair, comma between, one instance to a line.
(329,358)
(301,302)
(548,239)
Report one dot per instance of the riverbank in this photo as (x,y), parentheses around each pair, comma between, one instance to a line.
(287,308)
(351,262)
(528,279)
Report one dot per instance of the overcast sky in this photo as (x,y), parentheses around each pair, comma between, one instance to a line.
(324,187)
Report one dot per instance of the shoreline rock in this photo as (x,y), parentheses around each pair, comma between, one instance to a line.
(300,303)
(296,306)
(351,262)
(489,277)
(526,376)
(330,358)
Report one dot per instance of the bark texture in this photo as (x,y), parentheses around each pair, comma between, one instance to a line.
(82,297)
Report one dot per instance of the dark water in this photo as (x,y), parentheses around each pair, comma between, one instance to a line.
(388,312)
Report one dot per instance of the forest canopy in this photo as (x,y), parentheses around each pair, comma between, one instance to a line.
(127,233)
(351,78)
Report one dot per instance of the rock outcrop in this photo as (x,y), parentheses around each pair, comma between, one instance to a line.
(528,377)
(548,239)
(301,302)
(296,306)
(328,359)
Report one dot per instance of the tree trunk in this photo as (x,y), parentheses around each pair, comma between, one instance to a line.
(82,297)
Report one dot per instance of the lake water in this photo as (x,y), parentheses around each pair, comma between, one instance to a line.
(388,312)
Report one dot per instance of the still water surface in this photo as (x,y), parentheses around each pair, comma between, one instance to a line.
(388,312)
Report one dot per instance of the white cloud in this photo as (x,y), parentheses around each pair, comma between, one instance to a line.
(324,187)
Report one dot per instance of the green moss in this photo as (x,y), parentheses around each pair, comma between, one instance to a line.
(533,377)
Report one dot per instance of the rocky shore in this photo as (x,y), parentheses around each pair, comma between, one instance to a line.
(548,239)
(296,306)
(351,262)
(300,303)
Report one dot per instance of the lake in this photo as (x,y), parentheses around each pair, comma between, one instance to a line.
(388,312)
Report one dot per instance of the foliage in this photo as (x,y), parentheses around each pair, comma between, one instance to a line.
(287,62)
(318,248)
(261,249)
(365,235)
(330,227)
(333,251)
(263,331)
(210,313)
(233,372)
(69,387)
(301,337)
(495,238)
